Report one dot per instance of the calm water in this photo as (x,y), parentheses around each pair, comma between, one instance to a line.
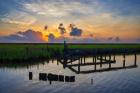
(16,79)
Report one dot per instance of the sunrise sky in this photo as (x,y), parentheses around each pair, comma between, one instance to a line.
(91,20)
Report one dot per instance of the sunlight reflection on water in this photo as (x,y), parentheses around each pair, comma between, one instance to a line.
(120,81)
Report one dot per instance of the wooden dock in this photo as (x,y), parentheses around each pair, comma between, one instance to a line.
(72,58)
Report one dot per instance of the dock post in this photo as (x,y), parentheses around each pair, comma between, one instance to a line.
(30,75)
(101,61)
(64,62)
(57,61)
(135,62)
(105,57)
(93,59)
(84,59)
(81,60)
(109,57)
(79,65)
(95,64)
(109,61)
(109,64)
(114,58)
(124,60)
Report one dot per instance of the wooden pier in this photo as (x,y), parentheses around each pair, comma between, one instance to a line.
(72,58)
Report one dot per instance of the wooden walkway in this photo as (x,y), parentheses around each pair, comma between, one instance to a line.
(72,58)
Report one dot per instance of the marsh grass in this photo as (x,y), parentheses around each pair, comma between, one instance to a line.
(37,51)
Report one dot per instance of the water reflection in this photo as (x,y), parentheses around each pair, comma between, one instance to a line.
(27,77)
(75,64)
(102,60)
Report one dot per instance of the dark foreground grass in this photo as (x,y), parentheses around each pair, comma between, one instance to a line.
(37,51)
(27,51)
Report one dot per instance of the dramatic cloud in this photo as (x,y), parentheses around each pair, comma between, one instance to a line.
(101,18)
(51,37)
(75,31)
(28,36)
(62,29)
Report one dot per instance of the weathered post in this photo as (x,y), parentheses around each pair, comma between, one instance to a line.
(105,57)
(81,60)
(57,61)
(135,62)
(30,75)
(109,57)
(93,59)
(124,60)
(109,61)
(84,59)
(101,60)
(79,65)
(124,63)
(114,58)
(95,64)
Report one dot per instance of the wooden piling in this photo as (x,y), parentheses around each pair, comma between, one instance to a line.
(124,63)
(30,75)
(114,58)
(109,61)
(105,57)
(135,62)
(84,59)
(93,59)
(109,57)
(95,64)
(57,61)
(65,62)
(79,65)
(81,60)
(101,57)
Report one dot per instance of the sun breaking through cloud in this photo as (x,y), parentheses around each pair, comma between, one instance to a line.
(117,20)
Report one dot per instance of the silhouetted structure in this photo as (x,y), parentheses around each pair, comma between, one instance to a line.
(30,75)
(53,77)
(70,56)
(43,76)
